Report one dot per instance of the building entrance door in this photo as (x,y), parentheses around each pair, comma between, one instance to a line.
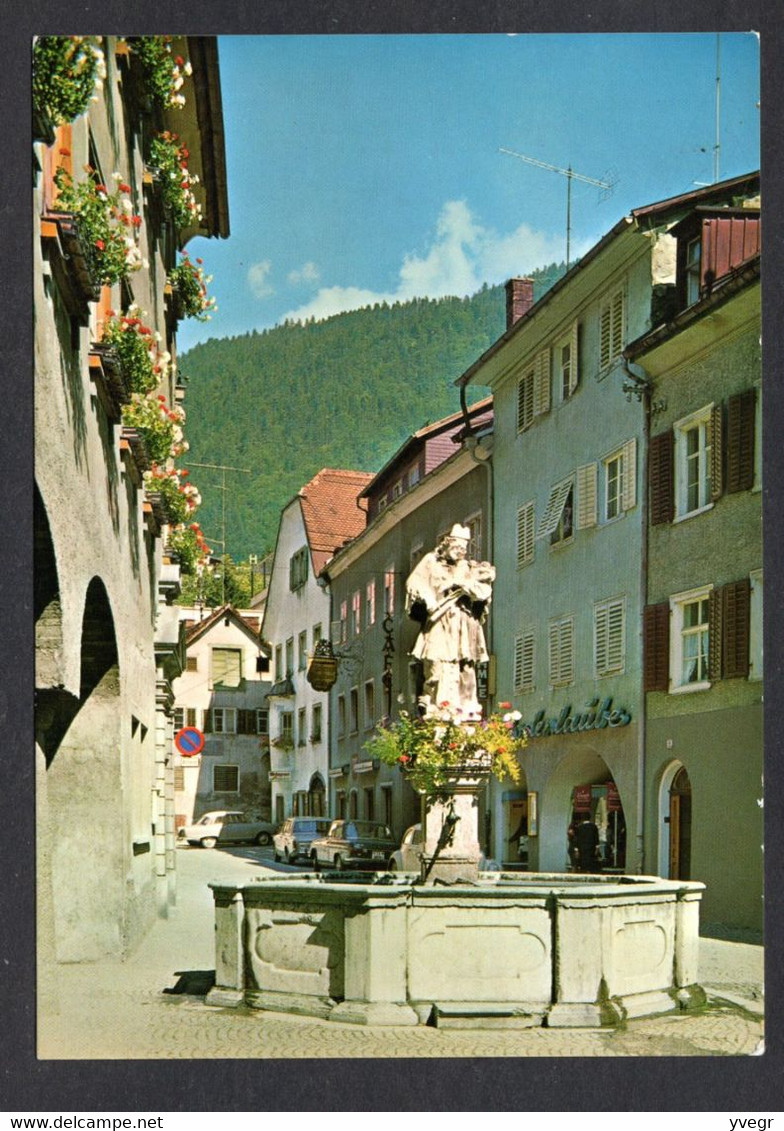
(680,826)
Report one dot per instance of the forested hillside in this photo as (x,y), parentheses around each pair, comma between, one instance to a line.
(345,392)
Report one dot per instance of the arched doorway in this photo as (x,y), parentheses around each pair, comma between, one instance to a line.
(317,797)
(580,783)
(86,833)
(675,823)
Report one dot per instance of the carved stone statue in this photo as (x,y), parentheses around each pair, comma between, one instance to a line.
(449,595)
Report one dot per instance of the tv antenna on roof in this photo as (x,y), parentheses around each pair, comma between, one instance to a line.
(605,188)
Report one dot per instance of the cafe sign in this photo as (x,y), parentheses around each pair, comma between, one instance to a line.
(598,715)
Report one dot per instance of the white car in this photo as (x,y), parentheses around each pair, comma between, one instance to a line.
(408,858)
(226,825)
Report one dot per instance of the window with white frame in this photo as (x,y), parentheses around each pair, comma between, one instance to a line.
(524,662)
(413,475)
(609,636)
(341,716)
(191,716)
(316,635)
(397,490)
(298,569)
(566,364)
(755,625)
(474,548)
(315,723)
(693,258)
(526,530)
(262,720)
(619,481)
(224,720)
(302,651)
(557,518)
(343,631)
(560,641)
(280,671)
(287,728)
(356,613)
(389,590)
(611,328)
(225,779)
(690,640)
(693,462)
(226,667)
(370,705)
(353,710)
(290,657)
(302,726)
(178,718)
(370,603)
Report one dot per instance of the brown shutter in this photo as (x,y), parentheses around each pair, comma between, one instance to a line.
(740,441)
(661,477)
(208,720)
(736,607)
(656,647)
(717,452)
(715,634)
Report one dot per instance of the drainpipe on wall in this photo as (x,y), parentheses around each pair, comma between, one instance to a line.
(638,384)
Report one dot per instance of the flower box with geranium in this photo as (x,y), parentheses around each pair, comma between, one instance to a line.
(434,749)
(137,350)
(105,222)
(159,426)
(163,72)
(188,543)
(168,163)
(189,284)
(68,71)
(178,497)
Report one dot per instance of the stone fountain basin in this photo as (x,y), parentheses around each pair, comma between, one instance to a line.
(506,950)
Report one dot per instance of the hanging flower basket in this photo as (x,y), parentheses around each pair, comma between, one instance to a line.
(168,166)
(73,264)
(188,545)
(163,72)
(132,441)
(159,426)
(178,497)
(68,72)
(103,223)
(106,372)
(189,285)
(136,346)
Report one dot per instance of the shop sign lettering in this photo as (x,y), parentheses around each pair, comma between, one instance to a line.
(599,716)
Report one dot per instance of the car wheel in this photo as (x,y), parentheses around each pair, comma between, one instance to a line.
(209,841)
(391,866)
(314,861)
(263,838)
(338,864)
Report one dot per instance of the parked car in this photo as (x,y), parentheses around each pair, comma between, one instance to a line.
(226,826)
(293,839)
(408,857)
(353,844)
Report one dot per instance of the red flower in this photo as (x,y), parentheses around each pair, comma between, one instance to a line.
(136,221)
(100,188)
(110,314)
(125,188)
(64,152)
(161,397)
(404,758)
(100,245)
(505,706)
(199,260)
(179,61)
(185,471)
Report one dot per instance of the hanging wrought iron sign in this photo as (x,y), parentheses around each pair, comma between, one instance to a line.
(323,667)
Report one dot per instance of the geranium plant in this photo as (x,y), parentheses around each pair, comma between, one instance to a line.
(144,364)
(163,71)
(432,749)
(188,543)
(159,425)
(190,283)
(68,71)
(106,221)
(168,161)
(179,496)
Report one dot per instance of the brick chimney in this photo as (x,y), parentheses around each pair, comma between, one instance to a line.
(519,299)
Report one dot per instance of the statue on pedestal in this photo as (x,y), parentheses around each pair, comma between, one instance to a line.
(449,595)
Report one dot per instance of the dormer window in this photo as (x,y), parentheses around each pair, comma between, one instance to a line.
(692,269)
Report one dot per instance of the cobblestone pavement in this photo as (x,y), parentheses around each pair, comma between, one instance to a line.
(136,1010)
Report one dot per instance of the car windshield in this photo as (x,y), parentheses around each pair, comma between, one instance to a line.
(365,830)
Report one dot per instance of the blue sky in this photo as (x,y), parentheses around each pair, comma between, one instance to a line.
(363,168)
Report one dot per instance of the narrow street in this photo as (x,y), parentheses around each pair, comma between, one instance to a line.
(152,1006)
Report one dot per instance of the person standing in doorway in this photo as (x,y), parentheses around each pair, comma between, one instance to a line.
(586,837)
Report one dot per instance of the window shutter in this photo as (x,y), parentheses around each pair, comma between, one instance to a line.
(525,534)
(587,495)
(617,324)
(740,441)
(542,382)
(661,477)
(524,662)
(656,647)
(605,334)
(736,626)
(567,651)
(208,721)
(554,509)
(629,475)
(574,357)
(715,634)
(525,401)
(716,453)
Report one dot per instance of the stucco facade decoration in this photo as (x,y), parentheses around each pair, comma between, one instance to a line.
(223,693)
(109,643)
(325,513)
(569,540)
(372,634)
(703,616)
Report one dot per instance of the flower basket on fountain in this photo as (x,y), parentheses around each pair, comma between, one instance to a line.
(435,749)
(106,224)
(189,283)
(168,164)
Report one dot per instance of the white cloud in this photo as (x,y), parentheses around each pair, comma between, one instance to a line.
(257,279)
(461,257)
(308,273)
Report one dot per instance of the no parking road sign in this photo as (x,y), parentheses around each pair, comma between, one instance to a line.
(189,741)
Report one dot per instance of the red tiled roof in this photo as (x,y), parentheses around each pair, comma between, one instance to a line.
(331,511)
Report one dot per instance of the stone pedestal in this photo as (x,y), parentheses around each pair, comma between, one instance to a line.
(451,828)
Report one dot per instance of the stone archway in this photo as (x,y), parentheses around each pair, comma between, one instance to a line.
(555,805)
(85,832)
(317,797)
(675,823)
